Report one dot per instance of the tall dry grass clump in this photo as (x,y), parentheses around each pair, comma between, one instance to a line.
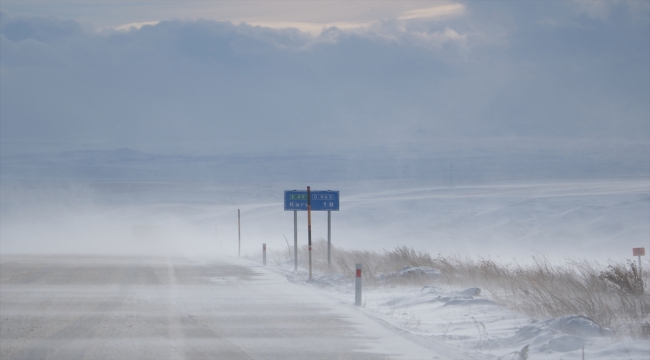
(614,296)
(375,263)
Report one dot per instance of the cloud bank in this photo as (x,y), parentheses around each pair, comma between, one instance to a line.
(499,70)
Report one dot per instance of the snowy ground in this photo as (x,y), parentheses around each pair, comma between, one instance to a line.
(92,307)
(470,322)
(585,220)
(590,220)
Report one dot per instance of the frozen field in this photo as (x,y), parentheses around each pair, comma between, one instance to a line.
(591,220)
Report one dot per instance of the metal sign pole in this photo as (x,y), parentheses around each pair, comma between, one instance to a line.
(309,226)
(329,239)
(295,240)
(311,200)
(239,230)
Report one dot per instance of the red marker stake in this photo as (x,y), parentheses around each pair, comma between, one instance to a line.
(309,226)
(357,286)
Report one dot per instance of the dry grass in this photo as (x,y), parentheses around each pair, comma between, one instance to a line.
(612,295)
(343,261)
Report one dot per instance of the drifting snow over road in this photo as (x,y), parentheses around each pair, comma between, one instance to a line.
(63,307)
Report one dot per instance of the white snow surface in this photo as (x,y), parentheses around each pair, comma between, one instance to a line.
(463,319)
(596,220)
(593,220)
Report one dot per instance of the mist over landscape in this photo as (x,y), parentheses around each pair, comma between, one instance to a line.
(500,130)
(439,99)
(468,202)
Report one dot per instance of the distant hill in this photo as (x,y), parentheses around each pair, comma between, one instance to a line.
(119,155)
(464,165)
(126,154)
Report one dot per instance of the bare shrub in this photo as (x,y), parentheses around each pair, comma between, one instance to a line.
(343,261)
(624,278)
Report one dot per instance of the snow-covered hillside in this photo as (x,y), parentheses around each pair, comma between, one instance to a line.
(595,220)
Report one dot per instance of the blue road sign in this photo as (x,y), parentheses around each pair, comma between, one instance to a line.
(320,200)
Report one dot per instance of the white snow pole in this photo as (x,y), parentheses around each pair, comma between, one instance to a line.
(264,254)
(357,287)
(638,252)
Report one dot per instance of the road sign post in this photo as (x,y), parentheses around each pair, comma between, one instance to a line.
(317,200)
(329,239)
(309,226)
(295,240)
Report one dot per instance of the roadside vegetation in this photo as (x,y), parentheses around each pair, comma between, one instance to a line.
(614,295)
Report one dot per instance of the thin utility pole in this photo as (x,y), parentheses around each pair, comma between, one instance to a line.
(309,226)
(239,229)
(295,240)
(329,239)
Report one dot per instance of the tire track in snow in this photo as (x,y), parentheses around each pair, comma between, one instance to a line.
(175,333)
(64,341)
(180,322)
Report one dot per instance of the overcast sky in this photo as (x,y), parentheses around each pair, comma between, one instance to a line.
(201,77)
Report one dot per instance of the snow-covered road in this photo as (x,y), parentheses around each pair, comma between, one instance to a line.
(85,307)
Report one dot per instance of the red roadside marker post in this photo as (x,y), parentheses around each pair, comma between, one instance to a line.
(264,254)
(638,252)
(357,286)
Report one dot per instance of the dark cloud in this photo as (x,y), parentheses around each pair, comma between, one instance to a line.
(44,29)
(499,71)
